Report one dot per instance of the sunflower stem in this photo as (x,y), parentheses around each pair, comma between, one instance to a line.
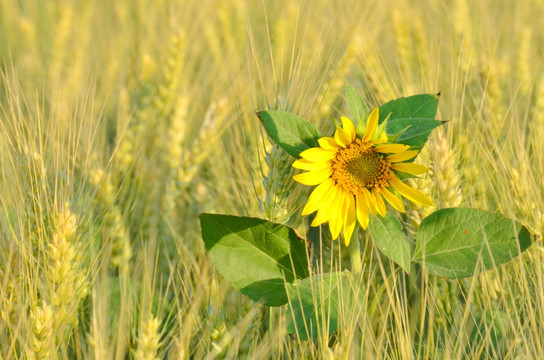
(355,253)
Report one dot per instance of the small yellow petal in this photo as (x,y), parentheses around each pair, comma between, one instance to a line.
(410,193)
(362,210)
(391,148)
(403,156)
(315,200)
(369,201)
(371,124)
(317,154)
(313,177)
(350,218)
(393,200)
(328,143)
(321,217)
(410,168)
(341,137)
(304,164)
(380,205)
(337,216)
(348,127)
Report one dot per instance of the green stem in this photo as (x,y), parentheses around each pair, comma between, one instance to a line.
(355,253)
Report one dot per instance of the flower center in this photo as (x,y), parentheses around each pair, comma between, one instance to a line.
(358,165)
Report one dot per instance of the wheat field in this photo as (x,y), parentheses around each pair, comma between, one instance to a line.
(121,122)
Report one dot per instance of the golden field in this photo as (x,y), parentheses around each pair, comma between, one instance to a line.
(120,122)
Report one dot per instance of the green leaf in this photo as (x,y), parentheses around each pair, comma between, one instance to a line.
(316,304)
(290,132)
(416,111)
(254,255)
(389,238)
(417,130)
(356,105)
(411,107)
(459,242)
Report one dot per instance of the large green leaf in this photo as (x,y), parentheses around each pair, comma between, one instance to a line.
(316,304)
(290,132)
(389,238)
(356,105)
(256,256)
(459,242)
(415,114)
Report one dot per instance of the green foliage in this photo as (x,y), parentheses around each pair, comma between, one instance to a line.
(316,304)
(256,256)
(356,105)
(414,114)
(289,131)
(460,242)
(390,240)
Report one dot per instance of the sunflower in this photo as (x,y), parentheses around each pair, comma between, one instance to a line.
(355,174)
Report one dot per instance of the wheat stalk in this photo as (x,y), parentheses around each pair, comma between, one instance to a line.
(526,194)
(41,341)
(113,224)
(524,63)
(277,184)
(464,32)
(200,148)
(372,68)
(11,283)
(491,73)
(447,192)
(403,42)
(148,340)
(68,283)
(333,90)
(422,45)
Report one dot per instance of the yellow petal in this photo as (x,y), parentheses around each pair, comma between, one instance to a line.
(348,127)
(321,217)
(342,137)
(337,216)
(323,214)
(304,164)
(380,205)
(313,177)
(393,200)
(371,124)
(362,210)
(410,168)
(316,197)
(317,154)
(410,193)
(369,201)
(350,218)
(328,143)
(391,148)
(403,156)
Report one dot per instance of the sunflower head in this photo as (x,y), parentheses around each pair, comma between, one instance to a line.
(355,174)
